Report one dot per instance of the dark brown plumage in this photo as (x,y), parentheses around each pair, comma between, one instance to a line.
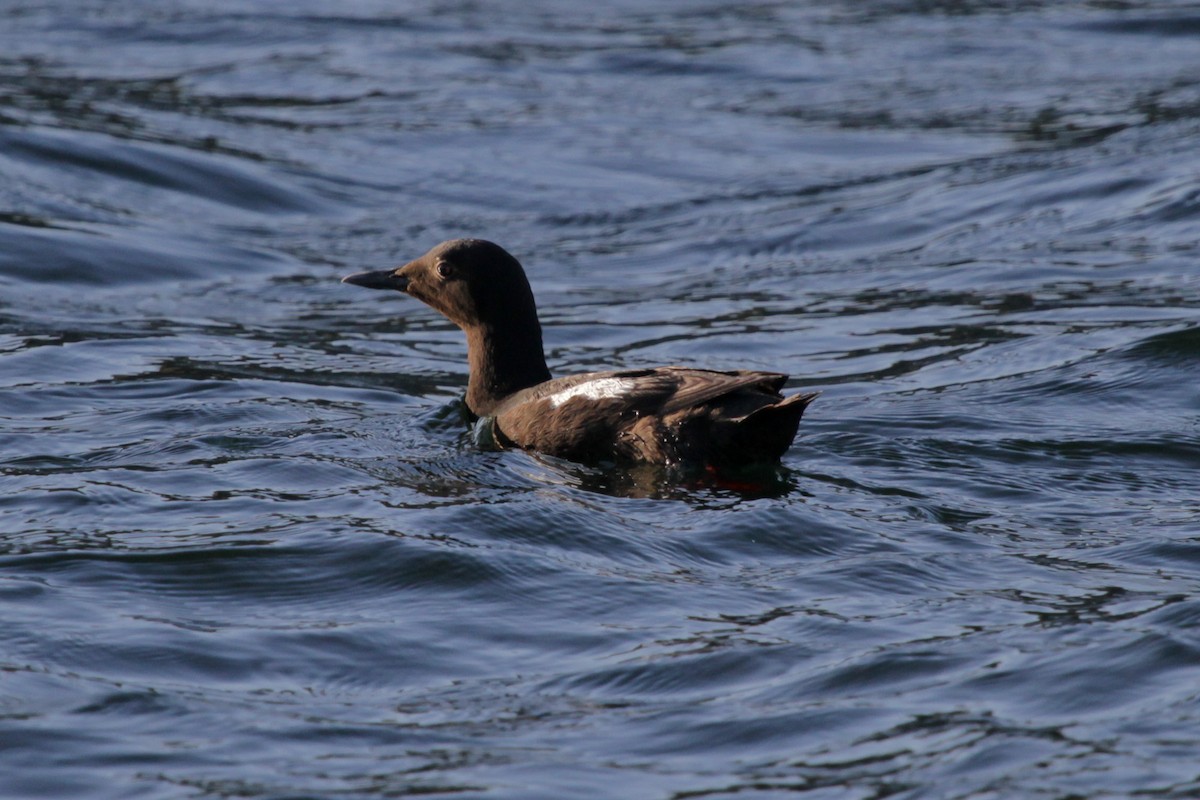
(663,415)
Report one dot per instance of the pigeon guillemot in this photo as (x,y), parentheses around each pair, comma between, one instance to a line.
(662,415)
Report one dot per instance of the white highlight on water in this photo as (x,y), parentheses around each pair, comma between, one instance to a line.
(596,389)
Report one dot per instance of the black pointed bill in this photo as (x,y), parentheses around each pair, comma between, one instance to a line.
(378,279)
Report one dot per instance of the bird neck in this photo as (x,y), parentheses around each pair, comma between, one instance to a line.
(501,363)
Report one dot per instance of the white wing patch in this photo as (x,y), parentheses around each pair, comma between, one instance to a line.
(596,389)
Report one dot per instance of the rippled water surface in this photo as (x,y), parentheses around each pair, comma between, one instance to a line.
(249,549)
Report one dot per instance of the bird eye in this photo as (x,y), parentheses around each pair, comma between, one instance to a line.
(444,270)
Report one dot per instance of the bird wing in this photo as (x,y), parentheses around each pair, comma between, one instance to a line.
(661,390)
(698,386)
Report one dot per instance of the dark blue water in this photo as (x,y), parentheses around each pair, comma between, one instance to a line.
(248,548)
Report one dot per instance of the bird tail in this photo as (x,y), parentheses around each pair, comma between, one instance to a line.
(768,432)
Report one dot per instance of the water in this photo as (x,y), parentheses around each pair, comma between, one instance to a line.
(248,546)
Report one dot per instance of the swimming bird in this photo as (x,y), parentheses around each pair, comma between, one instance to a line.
(661,415)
